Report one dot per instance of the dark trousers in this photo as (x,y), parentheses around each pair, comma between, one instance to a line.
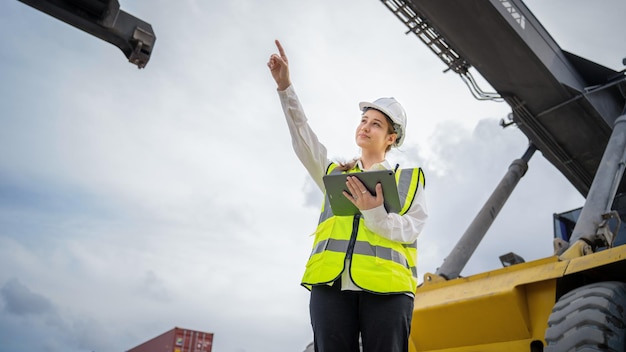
(338,317)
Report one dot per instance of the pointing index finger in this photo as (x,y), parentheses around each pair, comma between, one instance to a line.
(281,51)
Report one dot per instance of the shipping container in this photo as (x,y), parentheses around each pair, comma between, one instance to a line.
(178,340)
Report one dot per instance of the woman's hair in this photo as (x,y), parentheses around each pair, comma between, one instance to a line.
(349,165)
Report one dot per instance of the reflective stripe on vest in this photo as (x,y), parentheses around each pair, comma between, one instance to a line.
(365,248)
(377,264)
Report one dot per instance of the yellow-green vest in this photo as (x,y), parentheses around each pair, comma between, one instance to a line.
(377,264)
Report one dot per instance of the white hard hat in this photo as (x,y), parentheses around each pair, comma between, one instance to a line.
(393,110)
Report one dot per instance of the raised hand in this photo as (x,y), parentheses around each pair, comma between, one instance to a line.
(279,66)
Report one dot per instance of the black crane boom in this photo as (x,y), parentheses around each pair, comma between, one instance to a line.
(566,105)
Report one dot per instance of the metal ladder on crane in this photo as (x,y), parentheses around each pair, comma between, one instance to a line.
(418,25)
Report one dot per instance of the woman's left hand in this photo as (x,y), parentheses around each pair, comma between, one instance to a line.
(360,196)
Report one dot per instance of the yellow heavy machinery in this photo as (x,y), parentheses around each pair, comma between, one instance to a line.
(573,111)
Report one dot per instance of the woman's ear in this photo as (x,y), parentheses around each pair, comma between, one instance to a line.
(392,138)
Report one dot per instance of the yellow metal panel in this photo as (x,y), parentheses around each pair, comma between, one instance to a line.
(541,298)
(510,346)
(412,346)
(597,259)
(509,305)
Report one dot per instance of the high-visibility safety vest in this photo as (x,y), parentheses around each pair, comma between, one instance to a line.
(377,264)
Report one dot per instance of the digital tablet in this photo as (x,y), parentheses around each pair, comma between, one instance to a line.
(341,206)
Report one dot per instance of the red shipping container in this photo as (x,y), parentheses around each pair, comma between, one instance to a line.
(178,340)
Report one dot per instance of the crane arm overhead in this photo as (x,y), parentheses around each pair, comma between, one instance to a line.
(105,20)
(565,104)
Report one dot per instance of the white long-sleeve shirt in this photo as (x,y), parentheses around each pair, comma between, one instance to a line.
(313,155)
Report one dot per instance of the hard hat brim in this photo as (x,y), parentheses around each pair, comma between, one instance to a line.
(365,105)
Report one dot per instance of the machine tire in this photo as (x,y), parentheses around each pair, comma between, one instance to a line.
(589,318)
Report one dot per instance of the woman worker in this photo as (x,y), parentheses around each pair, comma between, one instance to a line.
(362,269)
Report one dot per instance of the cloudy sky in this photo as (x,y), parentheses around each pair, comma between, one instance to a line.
(133,201)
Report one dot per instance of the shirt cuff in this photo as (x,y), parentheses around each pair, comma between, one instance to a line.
(375,214)
(286,91)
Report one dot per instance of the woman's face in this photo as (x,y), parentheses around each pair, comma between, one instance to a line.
(374,132)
